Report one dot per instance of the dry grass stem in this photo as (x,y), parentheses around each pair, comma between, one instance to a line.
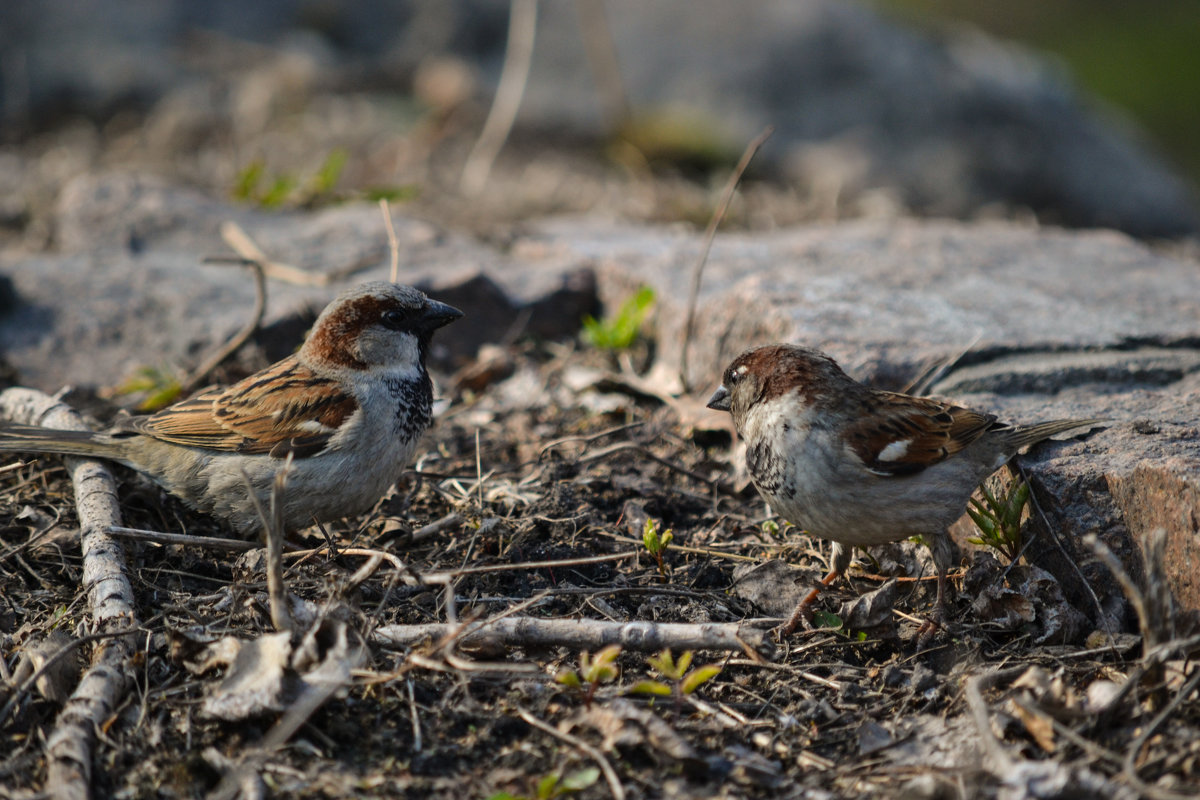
(207,542)
(710,234)
(610,775)
(514,74)
(237,238)
(393,242)
(201,373)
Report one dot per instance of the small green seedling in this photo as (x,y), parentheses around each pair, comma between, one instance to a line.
(827,620)
(253,185)
(592,672)
(556,785)
(159,387)
(681,681)
(620,331)
(657,543)
(998,518)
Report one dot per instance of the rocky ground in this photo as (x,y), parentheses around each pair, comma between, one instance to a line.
(530,498)
(533,470)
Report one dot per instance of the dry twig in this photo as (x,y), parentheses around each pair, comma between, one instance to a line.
(110,598)
(273,530)
(436,527)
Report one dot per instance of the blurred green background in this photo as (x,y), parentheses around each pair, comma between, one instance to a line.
(1140,57)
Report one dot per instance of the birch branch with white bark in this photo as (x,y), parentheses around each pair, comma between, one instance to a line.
(110,602)
(584,634)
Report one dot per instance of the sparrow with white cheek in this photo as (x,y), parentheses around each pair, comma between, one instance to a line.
(349,408)
(859,466)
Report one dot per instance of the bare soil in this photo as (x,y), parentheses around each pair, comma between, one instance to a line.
(542,472)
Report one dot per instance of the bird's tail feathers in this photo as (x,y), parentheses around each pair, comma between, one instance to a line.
(35,439)
(1025,436)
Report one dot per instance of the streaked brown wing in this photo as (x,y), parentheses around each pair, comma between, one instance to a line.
(903,435)
(285,408)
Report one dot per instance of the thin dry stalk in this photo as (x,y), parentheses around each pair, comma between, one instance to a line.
(110,600)
(610,774)
(415,720)
(518,56)
(208,542)
(442,577)
(645,452)
(247,250)
(201,373)
(273,530)
(710,233)
(1132,592)
(393,242)
(281,617)
(375,557)
(602,58)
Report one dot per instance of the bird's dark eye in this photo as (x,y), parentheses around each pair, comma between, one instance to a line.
(732,378)
(393,319)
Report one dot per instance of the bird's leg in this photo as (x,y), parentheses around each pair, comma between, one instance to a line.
(941,549)
(801,614)
(839,560)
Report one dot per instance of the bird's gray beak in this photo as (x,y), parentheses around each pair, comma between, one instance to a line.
(720,399)
(438,314)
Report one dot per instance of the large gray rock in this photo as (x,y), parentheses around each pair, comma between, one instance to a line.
(888,299)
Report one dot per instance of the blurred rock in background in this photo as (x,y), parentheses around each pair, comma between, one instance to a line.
(873,118)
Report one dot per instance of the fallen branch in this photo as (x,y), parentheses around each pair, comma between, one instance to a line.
(110,601)
(585,634)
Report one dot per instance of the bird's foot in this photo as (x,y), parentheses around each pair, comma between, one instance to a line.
(930,627)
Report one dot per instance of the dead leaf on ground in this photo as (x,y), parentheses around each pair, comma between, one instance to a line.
(59,680)
(872,612)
